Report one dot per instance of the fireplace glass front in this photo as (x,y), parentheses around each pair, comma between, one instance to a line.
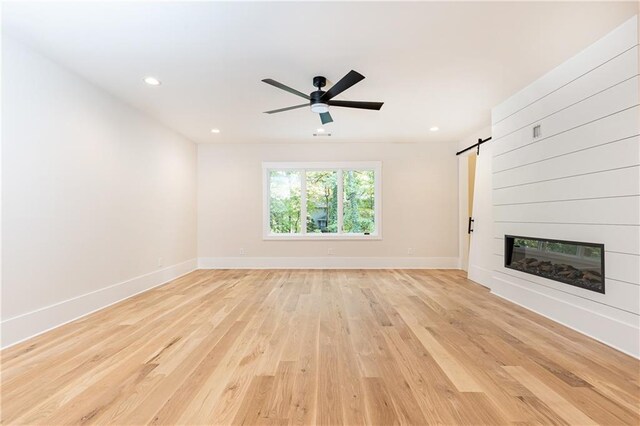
(569,262)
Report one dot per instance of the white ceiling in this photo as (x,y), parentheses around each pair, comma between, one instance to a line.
(433,64)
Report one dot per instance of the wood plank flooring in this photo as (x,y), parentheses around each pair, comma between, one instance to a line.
(317,347)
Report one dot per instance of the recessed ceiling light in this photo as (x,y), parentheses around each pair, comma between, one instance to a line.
(152,81)
(434,129)
(320,130)
(215,130)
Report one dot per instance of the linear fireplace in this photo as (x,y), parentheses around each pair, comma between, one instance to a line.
(569,262)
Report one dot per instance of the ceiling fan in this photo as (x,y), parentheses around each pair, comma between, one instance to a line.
(320,101)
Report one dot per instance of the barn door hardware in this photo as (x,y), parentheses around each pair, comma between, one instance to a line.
(475,145)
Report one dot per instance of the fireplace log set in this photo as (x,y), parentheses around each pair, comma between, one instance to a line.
(585,278)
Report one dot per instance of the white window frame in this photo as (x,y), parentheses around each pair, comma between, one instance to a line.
(303,167)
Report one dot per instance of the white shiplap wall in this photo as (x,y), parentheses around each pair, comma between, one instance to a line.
(579,181)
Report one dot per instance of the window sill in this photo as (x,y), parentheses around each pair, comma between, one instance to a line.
(321,237)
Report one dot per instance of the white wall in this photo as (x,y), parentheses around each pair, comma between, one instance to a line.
(580,181)
(94,193)
(419,192)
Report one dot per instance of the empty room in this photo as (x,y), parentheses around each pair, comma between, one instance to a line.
(320,213)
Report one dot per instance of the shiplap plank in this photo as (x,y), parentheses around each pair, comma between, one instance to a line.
(612,183)
(611,128)
(617,41)
(621,300)
(617,155)
(622,267)
(615,71)
(613,100)
(622,239)
(621,211)
(594,320)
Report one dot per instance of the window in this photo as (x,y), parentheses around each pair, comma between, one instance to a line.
(358,201)
(284,199)
(322,200)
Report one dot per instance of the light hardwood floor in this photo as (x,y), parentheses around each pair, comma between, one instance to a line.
(311,346)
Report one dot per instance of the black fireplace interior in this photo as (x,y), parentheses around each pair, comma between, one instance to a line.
(569,262)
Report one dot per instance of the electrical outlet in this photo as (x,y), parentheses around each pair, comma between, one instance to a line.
(537,131)
(330,251)
(159,262)
(241,252)
(409,250)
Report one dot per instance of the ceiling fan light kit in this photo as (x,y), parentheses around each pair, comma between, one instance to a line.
(320,101)
(319,108)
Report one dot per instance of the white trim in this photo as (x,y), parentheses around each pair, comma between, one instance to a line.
(330,262)
(322,165)
(480,275)
(320,237)
(31,324)
(303,167)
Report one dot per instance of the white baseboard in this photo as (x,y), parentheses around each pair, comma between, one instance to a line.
(617,334)
(328,262)
(480,275)
(612,332)
(30,324)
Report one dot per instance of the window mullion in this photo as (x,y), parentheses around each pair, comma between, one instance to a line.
(303,202)
(340,200)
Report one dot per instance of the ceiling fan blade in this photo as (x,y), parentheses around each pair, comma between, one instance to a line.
(273,111)
(286,88)
(357,104)
(325,117)
(345,82)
